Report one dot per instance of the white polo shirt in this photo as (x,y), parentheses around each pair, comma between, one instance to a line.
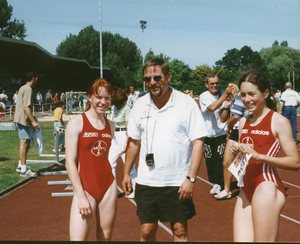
(290,97)
(212,119)
(168,134)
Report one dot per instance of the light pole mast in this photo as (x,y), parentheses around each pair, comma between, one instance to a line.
(100,40)
(143,24)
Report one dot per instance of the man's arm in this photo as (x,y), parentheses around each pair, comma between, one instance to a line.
(132,151)
(215,105)
(30,116)
(187,188)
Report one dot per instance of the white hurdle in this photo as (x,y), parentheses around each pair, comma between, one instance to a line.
(58,159)
(62,194)
(58,182)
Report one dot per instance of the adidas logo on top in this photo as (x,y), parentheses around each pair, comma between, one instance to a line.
(90,134)
(260,132)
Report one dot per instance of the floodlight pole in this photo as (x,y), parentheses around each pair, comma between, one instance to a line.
(143,25)
(294,80)
(100,40)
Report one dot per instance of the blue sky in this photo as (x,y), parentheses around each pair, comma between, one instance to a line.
(194,31)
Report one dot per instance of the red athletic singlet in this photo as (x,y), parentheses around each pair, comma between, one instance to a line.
(262,140)
(94,168)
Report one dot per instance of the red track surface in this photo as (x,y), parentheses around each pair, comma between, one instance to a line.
(30,213)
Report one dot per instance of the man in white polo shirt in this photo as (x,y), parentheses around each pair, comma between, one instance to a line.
(290,100)
(167,128)
(211,102)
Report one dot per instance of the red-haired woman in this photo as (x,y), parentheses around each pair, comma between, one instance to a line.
(88,139)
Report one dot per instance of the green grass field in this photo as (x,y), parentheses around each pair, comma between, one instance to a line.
(9,149)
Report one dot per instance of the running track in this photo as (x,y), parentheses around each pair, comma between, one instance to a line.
(30,213)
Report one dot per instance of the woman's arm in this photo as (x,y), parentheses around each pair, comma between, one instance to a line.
(73,130)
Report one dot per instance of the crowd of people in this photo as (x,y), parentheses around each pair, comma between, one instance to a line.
(162,137)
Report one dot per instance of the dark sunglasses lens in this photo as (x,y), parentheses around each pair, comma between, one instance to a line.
(146,79)
(157,78)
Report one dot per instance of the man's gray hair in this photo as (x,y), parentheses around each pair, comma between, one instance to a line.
(288,84)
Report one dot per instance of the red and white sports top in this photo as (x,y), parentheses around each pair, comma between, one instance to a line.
(94,168)
(262,140)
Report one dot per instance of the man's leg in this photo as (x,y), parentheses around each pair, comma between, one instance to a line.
(179,230)
(293,120)
(23,150)
(148,232)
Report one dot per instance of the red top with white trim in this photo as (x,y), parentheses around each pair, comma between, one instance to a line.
(94,168)
(262,140)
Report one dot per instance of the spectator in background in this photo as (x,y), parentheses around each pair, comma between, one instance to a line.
(25,122)
(133,95)
(59,124)
(15,97)
(290,100)
(236,112)
(48,96)
(39,99)
(3,96)
(56,99)
(211,102)
(277,96)
(119,115)
(63,97)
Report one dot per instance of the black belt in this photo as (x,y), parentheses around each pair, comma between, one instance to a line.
(121,129)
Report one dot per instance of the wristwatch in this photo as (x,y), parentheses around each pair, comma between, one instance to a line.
(191,179)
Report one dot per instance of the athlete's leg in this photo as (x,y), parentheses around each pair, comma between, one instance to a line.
(79,226)
(148,232)
(107,213)
(179,230)
(242,220)
(229,155)
(267,204)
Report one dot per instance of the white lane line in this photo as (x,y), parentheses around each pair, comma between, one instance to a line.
(290,219)
(207,182)
(282,215)
(291,184)
(168,230)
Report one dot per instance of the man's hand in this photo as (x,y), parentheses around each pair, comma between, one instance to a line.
(127,184)
(186,190)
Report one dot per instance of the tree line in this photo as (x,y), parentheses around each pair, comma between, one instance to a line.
(124,58)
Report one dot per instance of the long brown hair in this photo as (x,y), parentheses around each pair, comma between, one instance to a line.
(261,80)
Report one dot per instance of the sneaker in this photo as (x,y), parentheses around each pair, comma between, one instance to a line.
(216,189)
(223,195)
(28,173)
(18,169)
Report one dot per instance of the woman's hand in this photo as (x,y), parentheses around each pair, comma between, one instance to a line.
(84,207)
(246,148)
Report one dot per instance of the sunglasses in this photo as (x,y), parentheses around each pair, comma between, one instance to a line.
(156,78)
(214,84)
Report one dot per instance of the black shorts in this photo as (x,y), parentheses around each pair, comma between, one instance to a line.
(162,203)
